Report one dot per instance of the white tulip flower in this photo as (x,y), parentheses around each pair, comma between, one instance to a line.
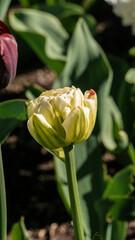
(126,10)
(58,118)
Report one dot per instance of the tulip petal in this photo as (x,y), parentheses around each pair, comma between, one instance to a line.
(50,114)
(58,118)
(91,103)
(61,107)
(44,133)
(77,99)
(59,152)
(78,125)
(8,56)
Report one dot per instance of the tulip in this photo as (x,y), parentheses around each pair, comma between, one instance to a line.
(58,118)
(124,9)
(8,56)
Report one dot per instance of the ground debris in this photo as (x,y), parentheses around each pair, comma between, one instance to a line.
(55,231)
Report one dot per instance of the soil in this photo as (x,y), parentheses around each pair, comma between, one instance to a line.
(29,171)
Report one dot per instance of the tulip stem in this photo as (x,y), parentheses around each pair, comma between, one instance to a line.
(73,192)
(3,210)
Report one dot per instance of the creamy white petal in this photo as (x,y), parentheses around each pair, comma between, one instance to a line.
(58,118)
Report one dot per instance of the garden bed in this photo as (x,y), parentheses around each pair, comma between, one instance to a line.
(29,169)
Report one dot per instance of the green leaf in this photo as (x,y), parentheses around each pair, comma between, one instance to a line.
(68,14)
(120,67)
(131,153)
(124,93)
(3,207)
(119,230)
(118,139)
(127,108)
(60,172)
(116,208)
(51,2)
(44,33)
(113,206)
(29,3)
(83,60)
(121,183)
(25,3)
(93,6)
(97,236)
(4,4)
(122,209)
(91,22)
(87,67)
(116,230)
(18,231)
(33,92)
(88,167)
(12,112)
(61,10)
(113,224)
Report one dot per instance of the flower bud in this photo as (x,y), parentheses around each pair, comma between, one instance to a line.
(58,118)
(8,56)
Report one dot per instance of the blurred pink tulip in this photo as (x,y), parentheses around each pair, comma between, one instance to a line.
(8,56)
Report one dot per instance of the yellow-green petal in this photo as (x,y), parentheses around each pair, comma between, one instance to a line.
(59,152)
(44,133)
(51,117)
(77,125)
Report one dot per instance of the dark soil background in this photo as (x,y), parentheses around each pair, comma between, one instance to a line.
(29,169)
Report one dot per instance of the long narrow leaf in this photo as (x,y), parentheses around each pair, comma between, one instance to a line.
(12,112)
(4,4)
(3,210)
(44,33)
(88,166)
(19,231)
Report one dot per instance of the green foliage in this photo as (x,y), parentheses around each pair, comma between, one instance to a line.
(12,112)
(97,236)
(68,14)
(62,10)
(44,33)
(18,231)
(86,65)
(93,68)
(121,183)
(127,104)
(89,5)
(88,167)
(61,34)
(63,55)
(102,199)
(33,92)
(116,205)
(3,207)
(4,4)
(116,196)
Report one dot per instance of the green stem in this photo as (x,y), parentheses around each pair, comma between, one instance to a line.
(109,232)
(73,192)
(3,210)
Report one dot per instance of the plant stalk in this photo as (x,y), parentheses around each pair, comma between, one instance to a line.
(3,208)
(73,193)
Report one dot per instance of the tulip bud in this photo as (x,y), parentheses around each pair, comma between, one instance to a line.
(8,56)
(58,118)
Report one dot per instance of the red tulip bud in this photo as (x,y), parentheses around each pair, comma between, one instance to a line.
(8,56)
